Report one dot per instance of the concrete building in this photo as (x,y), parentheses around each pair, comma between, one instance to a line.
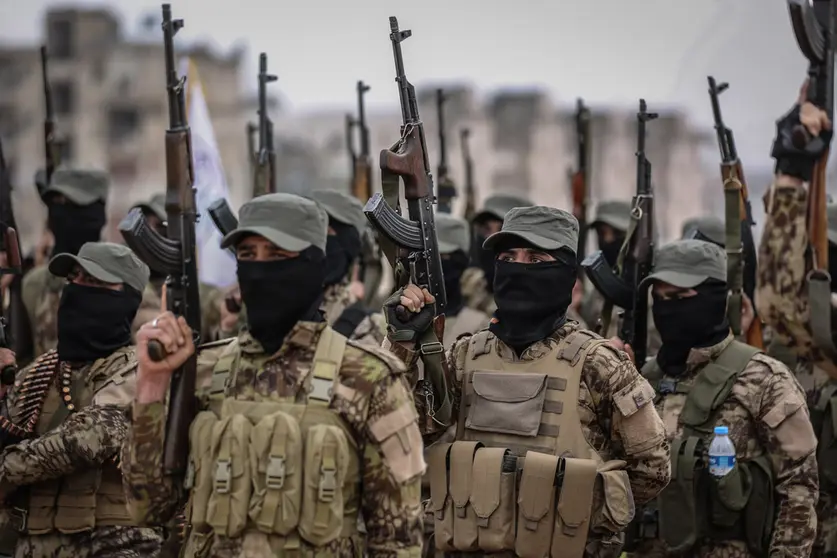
(110,105)
(523,143)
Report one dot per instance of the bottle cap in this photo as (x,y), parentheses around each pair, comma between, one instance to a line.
(721,430)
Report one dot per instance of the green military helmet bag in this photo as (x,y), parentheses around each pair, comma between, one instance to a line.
(708,226)
(156,205)
(688,263)
(546,228)
(342,207)
(614,213)
(82,187)
(496,207)
(289,221)
(452,233)
(105,261)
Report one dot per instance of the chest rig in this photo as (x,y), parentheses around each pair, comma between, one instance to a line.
(519,441)
(289,468)
(91,497)
(695,506)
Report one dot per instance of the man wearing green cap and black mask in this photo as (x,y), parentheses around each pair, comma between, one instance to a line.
(343,299)
(301,432)
(762,502)
(536,399)
(67,420)
(478,280)
(75,201)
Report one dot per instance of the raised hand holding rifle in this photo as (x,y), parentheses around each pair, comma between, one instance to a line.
(411,245)
(52,148)
(580,177)
(447,189)
(174,256)
(621,287)
(740,244)
(801,149)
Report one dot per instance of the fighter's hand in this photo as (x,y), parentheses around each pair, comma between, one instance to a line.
(7,358)
(230,308)
(409,312)
(811,116)
(414,299)
(748,314)
(174,334)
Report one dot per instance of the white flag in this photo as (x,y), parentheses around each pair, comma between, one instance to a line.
(215,266)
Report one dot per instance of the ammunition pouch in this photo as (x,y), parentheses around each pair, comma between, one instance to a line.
(696,506)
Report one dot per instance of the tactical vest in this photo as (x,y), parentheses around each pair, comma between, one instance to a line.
(289,469)
(467,321)
(695,506)
(519,441)
(87,498)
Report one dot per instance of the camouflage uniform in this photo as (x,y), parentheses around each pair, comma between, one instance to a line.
(366,394)
(63,485)
(782,300)
(615,214)
(765,412)
(371,327)
(617,424)
(475,288)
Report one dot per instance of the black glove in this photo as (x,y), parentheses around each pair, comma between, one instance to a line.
(404,325)
(791,160)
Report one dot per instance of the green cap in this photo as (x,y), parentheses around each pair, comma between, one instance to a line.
(452,233)
(496,207)
(616,213)
(831,215)
(82,187)
(289,221)
(341,207)
(688,263)
(105,261)
(709,226)
(156,205)
(544,227)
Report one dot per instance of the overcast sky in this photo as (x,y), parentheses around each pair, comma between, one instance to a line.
(607,51)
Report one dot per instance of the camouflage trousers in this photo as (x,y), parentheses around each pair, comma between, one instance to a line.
(104,542)
(826,542)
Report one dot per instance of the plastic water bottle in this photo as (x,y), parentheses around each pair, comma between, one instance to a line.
(721,453)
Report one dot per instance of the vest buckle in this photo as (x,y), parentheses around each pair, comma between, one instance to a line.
(223,476)
(328,485)
(22,516)
(189,480)
(275,472)
(434,348)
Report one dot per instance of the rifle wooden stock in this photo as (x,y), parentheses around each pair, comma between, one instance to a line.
(362,180)
(408,163)
(817,219)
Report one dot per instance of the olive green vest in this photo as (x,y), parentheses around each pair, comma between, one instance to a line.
(90,497)
(289,469)
(695,506)
(519,440)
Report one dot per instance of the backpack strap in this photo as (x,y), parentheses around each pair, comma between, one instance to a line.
(479,344)
(350,319)
(578,343)
(328,358)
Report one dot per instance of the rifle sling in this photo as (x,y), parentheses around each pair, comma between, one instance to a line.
(735,253)
(819,302)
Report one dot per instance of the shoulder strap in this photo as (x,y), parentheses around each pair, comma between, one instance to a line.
(479,344)
(350,319)
(328,358)
(576,344)
(223,368)
(714,383)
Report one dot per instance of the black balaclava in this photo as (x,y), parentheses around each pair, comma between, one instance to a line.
(532,299)
(484,259)
(688,323)
(74,225)
(832,265)
(342,249)
(453,267)
(93,322)
(610,249)
(280,293)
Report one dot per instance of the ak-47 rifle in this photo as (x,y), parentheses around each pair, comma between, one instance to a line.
(52,149)
(251,131)
(740,244)
(411,245)
(447,189)
(15,330)
(468,164)
(580,177)
(174,255)
(362,164)
(264,177)
(350,144)
(814,24)
(636,258)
